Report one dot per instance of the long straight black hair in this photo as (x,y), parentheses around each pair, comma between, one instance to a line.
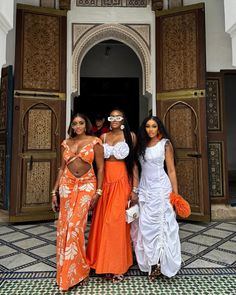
(129,160)
(143,138)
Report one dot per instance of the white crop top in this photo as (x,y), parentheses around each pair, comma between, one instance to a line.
(120,150)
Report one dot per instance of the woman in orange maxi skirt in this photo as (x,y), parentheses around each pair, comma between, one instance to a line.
(77,189)
(109,247)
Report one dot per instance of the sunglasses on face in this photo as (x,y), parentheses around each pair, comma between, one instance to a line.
(115,118)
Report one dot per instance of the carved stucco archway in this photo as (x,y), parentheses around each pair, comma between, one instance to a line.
(84,37)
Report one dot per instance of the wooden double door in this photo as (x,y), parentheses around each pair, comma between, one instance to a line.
(39,108)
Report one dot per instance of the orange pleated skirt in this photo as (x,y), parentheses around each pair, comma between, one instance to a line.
(109,245)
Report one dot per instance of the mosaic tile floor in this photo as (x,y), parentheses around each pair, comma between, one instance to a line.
(27,263)
(187,285)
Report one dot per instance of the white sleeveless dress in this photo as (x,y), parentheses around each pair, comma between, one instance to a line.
(156,233)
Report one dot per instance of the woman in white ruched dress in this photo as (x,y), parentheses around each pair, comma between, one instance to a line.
(156,233)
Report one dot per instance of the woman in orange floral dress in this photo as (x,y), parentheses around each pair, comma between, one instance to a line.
(79,191)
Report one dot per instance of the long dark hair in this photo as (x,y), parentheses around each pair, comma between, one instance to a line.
(88,125)
(129,160)
(143,138)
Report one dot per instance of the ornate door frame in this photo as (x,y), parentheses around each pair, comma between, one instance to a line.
(84,36)
(6,105)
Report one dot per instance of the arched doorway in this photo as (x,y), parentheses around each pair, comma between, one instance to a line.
(111,76)
(93,44)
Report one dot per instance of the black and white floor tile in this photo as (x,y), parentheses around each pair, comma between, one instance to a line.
(27,252)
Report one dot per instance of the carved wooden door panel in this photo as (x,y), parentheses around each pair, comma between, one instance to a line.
(37,132)
(6,98)
(39,110)
(181,99)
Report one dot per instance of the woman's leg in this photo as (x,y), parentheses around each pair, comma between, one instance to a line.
(72,267)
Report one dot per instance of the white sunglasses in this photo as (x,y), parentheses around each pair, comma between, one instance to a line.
(115,118)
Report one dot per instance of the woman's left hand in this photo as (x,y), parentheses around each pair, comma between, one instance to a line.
(133,198)
(94,201)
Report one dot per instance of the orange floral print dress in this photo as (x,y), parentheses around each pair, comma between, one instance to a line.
(75,197)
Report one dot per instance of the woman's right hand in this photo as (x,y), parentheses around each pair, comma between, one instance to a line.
(94,201)
(133,198)
(55,205)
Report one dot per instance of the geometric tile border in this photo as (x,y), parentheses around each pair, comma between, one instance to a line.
(130,273)
(179,285)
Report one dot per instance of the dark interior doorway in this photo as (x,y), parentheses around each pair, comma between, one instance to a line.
(103,94)
(230,118)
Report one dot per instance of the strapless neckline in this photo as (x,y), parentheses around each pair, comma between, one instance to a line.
(120,150)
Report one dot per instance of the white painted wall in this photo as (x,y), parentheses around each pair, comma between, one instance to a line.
(121,61)
(6,24)
(10,43)
(6,10)
(218,43)
(230,12)
(230,25)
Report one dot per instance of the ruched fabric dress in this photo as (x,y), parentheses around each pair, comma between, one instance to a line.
(109,245)
(156,233)
(75,197)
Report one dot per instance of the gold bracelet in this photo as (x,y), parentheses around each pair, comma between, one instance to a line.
(135,190)
(99,191)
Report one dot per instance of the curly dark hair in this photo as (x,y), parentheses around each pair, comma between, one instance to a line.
(88,125)
(143,138)
(129,160)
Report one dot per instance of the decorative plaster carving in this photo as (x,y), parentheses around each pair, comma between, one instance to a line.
(78,31)
(85,37)
(112,3)
(143,31)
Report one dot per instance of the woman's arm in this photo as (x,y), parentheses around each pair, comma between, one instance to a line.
(135,169)
(99,159)
(169,158)
(102,137)
(56,185)
(135,182)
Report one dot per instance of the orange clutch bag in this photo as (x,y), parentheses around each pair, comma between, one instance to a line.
(181,206)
